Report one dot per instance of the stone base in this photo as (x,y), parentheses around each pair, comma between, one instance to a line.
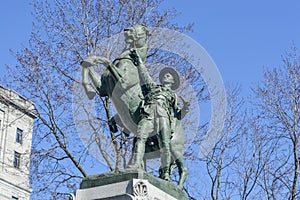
(136,185)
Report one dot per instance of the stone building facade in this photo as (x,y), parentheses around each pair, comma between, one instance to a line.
(16,124)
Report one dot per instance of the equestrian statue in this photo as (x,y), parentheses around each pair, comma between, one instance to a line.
(147,109)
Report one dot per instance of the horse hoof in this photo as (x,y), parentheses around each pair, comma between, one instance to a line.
(166,178)
(180,187)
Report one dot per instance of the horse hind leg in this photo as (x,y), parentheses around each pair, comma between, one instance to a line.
(183,172)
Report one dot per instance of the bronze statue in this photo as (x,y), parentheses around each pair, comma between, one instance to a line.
(121,83)
(158,110)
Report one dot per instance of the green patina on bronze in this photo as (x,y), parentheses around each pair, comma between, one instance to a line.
(122,82)
(158,110)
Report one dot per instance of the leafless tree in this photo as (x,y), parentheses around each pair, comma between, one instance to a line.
(216,179)
(278,98)
(263,155)
(264,152)
(64,33)
(224,154)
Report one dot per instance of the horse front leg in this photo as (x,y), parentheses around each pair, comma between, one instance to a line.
(89,90)
(88,72)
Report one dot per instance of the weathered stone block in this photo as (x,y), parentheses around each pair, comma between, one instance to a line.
(137,185)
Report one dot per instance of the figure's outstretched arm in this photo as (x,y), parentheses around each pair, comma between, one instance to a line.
(145,78)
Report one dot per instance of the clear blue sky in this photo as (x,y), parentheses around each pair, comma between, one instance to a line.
(15,28)
(240,36)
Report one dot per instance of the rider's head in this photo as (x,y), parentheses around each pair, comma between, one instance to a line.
(137,35)
(168,76)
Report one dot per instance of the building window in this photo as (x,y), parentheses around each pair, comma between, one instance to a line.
(19,136)
(17,158)
(14,198)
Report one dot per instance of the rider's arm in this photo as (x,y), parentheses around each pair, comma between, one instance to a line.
(145,78)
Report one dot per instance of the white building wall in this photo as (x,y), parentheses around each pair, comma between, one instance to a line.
(15,112)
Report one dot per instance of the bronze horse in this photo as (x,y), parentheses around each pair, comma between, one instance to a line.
(121,83)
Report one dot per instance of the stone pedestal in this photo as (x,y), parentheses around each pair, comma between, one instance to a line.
(136,185)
